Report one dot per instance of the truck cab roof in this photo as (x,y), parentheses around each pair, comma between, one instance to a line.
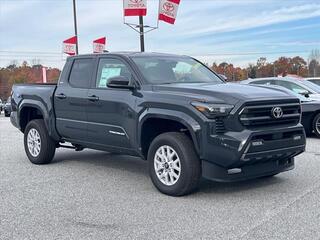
(128,54)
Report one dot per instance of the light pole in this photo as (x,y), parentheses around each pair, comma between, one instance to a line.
(141,26)
(75,25)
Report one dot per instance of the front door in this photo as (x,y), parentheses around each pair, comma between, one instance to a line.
(111,118)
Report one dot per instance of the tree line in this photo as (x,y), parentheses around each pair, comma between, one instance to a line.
(23,73)
(283,66)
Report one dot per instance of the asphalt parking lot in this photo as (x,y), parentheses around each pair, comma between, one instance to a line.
(96,195)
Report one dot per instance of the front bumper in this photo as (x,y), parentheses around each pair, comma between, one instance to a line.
(216,173)
(236,156)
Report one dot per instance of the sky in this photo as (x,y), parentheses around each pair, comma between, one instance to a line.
(237,31)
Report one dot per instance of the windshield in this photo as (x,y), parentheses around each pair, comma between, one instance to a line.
(167,70)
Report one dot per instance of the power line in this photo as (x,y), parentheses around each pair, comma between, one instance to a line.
(30,52)
(11,53)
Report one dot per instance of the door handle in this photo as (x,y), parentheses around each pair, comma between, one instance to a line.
(61,96)
(93,98)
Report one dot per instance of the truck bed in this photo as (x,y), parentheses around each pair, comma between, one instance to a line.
(39,92)
(40,95)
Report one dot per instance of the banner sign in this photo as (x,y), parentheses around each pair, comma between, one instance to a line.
(99,45)
(69,46)
(168,10)
(44,74)
(135,8)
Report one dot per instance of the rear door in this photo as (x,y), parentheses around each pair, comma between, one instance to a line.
(71,99)
(111,118)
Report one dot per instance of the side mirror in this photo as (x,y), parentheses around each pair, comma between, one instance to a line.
(304,93)
(119,82)
(223,77)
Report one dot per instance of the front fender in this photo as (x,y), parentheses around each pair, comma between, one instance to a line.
(190,123)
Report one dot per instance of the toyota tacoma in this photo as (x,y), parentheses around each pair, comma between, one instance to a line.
(170,110)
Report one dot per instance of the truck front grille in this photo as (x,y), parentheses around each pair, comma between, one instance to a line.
(261,114)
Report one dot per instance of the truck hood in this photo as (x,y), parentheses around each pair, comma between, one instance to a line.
(227,92)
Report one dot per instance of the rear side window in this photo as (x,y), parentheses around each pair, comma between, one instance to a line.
(81,73)
(316,81)
(263,82)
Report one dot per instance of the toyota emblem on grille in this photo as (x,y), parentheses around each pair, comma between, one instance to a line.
(277,112)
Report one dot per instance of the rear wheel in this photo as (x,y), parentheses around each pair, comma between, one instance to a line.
(39,146)
(174,166)
(316,125)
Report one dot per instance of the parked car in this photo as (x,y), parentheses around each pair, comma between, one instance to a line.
(310,108)
(305,88)
(7,108)
(171,110)
(315,80)
(1,106)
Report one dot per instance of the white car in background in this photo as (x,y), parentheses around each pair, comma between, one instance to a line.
(1,106)
(302,87)
(315,80)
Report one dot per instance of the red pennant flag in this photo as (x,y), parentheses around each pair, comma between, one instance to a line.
(99,45)
(135,8)
(69,46)
(168,10)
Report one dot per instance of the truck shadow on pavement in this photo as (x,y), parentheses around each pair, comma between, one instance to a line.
(134,165)
(207,186)
(103,159)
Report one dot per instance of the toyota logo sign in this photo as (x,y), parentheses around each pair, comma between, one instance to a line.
(136,1)
(169,7)
(277,112)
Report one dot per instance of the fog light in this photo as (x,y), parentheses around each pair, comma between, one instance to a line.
(257,143)
(296,138)
(234,170)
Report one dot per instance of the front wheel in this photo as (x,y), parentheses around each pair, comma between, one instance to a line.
(316,125)
(174,166)
(39,146)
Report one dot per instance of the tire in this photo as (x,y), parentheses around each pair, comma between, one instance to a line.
(316,125)
(47,147)
(185,154)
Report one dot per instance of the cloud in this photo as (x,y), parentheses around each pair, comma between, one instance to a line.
(202,27)
(248,20)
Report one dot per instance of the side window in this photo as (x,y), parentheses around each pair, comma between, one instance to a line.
(292,86)
(81,73)
(263,82)
(109,68)
(317,81)
(65,72)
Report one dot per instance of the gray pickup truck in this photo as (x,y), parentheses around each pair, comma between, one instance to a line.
(171,110)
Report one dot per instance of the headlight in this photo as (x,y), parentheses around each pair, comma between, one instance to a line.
(211,110)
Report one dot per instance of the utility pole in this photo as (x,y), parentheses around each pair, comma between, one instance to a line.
(141,26)
(75,25)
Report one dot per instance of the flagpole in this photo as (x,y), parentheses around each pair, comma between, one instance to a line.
(141,33)
(75,25)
